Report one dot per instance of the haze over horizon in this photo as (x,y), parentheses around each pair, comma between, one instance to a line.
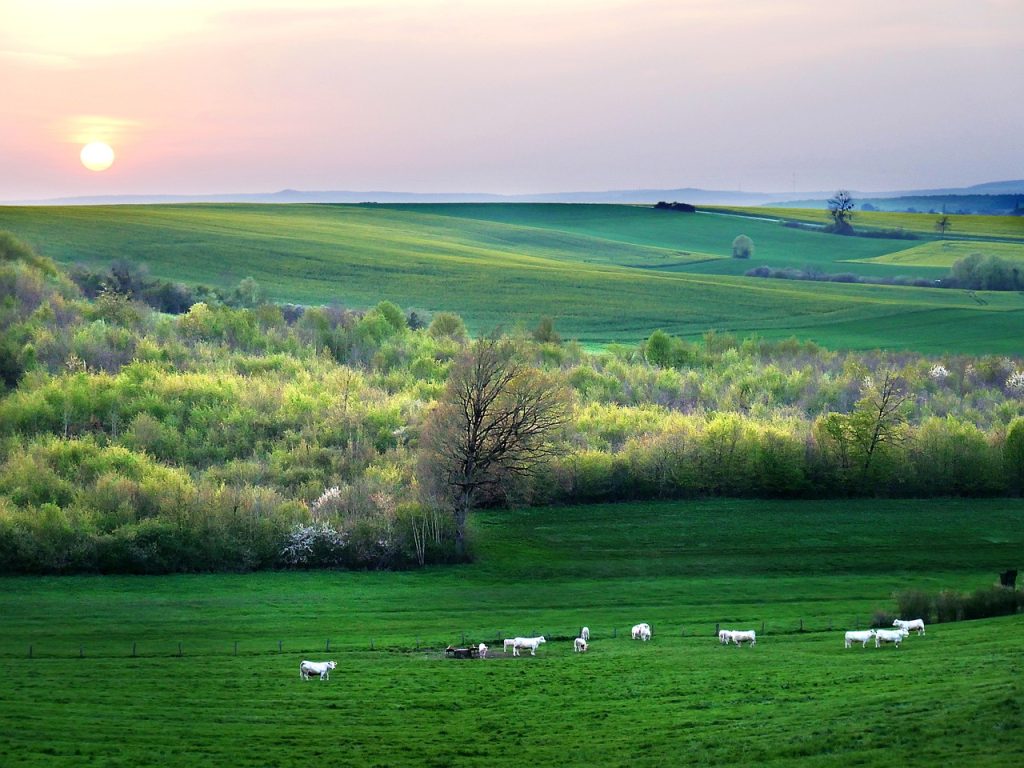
(508,97)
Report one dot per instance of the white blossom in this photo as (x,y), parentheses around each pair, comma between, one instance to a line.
(1015,382)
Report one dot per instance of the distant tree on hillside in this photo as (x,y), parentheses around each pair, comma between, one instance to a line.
(840,208)
(944,223)
(742,247)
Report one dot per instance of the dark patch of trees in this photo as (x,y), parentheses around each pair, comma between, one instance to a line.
(985,272)
(661,205)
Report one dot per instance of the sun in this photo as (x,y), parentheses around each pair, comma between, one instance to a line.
(97,156)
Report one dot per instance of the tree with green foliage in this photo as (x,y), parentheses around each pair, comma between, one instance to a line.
(1013,456)
(448,325)
(492,425)
(545,332)
(742,247)
(840,208)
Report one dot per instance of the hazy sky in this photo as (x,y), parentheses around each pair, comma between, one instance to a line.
(509,95)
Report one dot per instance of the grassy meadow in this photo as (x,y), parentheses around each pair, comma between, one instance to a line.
(944,253)
(604,273)
(952,696)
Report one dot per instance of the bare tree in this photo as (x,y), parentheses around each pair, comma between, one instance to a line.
(877,421)
(840,208)
(492,424)
(944,223)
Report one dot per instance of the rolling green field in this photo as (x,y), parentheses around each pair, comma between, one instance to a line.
(943,254)
(951,697)
(1008,227)
(604,273)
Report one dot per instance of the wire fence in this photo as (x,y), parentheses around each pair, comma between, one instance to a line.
(431,642)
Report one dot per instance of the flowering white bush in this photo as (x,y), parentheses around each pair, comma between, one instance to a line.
(327,504)
(314,545)
(938,372)
(1015,382)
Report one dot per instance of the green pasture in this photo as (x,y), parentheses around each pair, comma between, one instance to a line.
(972,225)
(944,253)
(604,273)
(952,696)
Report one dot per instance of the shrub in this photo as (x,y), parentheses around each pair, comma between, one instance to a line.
(317,545)
(742,247)
(914,604)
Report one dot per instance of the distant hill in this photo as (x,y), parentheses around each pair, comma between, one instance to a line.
(693,195)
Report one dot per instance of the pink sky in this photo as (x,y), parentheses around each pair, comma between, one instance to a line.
(201,96)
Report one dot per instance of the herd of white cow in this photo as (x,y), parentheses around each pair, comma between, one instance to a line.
(642,631)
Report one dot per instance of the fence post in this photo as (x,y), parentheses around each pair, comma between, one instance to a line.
(371,643)
(236,647)
(417,643)
(179,649)
(81,652)
(133,649)
(718,628)
(614,632)
(279,646)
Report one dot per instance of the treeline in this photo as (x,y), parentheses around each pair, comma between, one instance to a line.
(976,272)
(235,437)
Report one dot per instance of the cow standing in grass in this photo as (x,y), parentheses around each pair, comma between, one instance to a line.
(321,668)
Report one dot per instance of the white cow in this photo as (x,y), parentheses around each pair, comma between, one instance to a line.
(909,624)
(585,634)
(725,636)
(894,636)
(740,636)
(641,631)
(510,642)
(579,645)
(482,651)
(322,668)
(527,642)
(861,637)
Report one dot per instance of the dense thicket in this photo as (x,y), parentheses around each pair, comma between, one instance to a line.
(240,437)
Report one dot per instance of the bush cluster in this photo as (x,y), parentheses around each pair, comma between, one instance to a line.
(949,605)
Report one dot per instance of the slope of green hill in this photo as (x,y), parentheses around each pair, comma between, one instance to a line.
(605,273)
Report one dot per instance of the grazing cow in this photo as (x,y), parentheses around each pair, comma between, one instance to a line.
(510,642)
(641,631)
(322,668)
(725,636)
(909,624)
(859,637)
(579,645)
(585,633)
(527,642)
(482,650)
(894,636)
(740,636)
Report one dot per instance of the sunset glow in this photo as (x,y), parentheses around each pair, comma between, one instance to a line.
(503,96)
